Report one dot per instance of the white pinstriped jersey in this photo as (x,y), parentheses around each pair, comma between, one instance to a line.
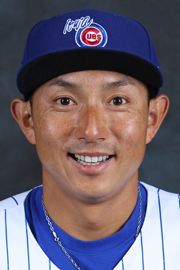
(156,248)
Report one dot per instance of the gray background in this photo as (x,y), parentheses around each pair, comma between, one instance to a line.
(19,166)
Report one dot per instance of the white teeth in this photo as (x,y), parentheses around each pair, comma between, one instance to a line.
(80,157)
(90,159)
(94,159)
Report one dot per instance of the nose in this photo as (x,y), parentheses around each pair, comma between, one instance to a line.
(92,125)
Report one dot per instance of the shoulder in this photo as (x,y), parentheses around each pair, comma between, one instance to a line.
(14,201)
(166,203)
(151,190)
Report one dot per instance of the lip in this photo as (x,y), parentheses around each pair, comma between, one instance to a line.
(92,154)
(91,169)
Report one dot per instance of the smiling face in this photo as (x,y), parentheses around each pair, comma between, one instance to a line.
(90,129)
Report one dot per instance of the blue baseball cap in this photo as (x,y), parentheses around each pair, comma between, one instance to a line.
(88,39)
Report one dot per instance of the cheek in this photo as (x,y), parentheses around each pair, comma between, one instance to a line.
(54,126)
(51,133)
(130,129)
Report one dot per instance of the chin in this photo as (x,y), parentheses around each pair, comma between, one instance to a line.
(95,197)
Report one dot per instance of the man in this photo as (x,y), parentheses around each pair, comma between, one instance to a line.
(90,81)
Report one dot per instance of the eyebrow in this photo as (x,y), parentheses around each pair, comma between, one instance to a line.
(121,82)
(62,82)
(112,84)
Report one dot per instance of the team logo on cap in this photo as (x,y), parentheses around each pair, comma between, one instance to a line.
(88,33)
(92,36)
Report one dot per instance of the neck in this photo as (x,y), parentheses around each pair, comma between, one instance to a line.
(90,221)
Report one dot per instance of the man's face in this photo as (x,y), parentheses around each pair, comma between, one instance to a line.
(90,129)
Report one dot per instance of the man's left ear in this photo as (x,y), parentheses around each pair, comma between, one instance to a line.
(158,108)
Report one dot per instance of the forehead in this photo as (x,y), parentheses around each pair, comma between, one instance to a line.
(93,77)
(93,82)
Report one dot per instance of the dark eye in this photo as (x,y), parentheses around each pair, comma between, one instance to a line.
(118,101)
(65,101)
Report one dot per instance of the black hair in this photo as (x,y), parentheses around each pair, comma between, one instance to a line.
(152,92)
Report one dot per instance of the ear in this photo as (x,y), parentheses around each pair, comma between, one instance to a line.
(158,109)
(22,112)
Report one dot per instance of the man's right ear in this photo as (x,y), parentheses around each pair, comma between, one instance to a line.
(22,112)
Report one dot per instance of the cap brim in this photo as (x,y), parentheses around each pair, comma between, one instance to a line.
(52,65)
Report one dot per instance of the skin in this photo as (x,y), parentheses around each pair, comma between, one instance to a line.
(107,112)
